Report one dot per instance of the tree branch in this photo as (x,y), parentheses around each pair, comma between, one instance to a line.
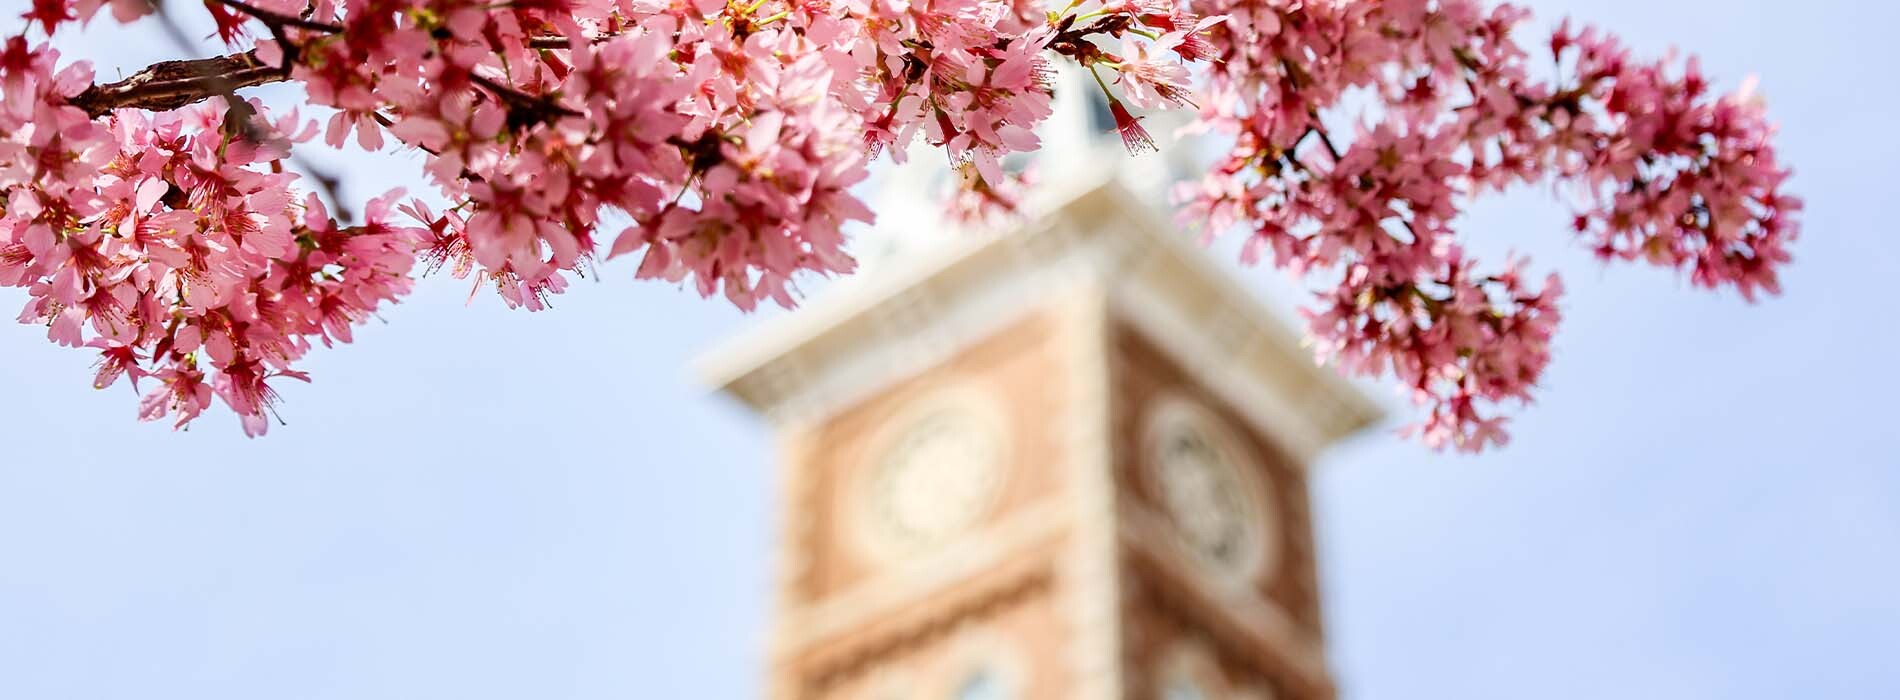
(168,85)
(556,41)
(279,19)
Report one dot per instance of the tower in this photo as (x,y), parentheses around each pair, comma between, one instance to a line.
(1067,461)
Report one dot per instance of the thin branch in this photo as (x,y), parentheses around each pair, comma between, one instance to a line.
(168,85)
(281,19)
(556,41)
(535,107)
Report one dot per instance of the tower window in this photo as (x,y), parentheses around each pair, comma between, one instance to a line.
(982,685)
(1183,689)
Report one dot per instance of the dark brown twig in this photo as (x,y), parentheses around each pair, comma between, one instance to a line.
(168,85)
(555,41)
(281,20)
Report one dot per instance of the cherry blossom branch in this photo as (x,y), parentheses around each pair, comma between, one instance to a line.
(534,108)
(279,19)
(731,135)
(168,85)
(555,41)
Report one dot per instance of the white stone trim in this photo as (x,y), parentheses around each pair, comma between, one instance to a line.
(1093,571)
(856,296)
(915,333)
(796,525)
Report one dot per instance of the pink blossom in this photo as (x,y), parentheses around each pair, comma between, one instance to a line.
(1149,80)
(723,140)
(1134,136)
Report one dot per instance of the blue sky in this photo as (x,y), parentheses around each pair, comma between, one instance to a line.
(477,503)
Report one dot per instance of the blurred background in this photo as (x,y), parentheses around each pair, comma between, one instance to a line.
(476,503)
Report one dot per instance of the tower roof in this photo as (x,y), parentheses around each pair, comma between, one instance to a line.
(912,312)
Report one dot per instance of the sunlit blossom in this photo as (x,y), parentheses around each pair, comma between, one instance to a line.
(715,145)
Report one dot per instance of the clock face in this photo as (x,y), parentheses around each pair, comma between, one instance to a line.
(935,473)
(1207,485)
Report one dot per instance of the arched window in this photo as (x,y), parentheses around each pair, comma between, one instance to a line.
(1183,689)
(982,685)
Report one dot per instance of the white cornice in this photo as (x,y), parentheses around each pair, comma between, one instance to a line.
(917,311)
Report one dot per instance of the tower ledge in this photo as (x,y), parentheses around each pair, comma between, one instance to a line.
(1097,237)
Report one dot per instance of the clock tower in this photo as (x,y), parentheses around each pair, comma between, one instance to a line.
(1066,461)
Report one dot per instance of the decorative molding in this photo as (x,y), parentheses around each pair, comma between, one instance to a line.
(825,662)
(1260,536)
(978,407)
(903,587)
(1191,661)
(1254,627)
(898,342)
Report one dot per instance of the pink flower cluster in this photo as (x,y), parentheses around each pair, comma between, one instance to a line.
(720,140)
(1667,173)
(174,246)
